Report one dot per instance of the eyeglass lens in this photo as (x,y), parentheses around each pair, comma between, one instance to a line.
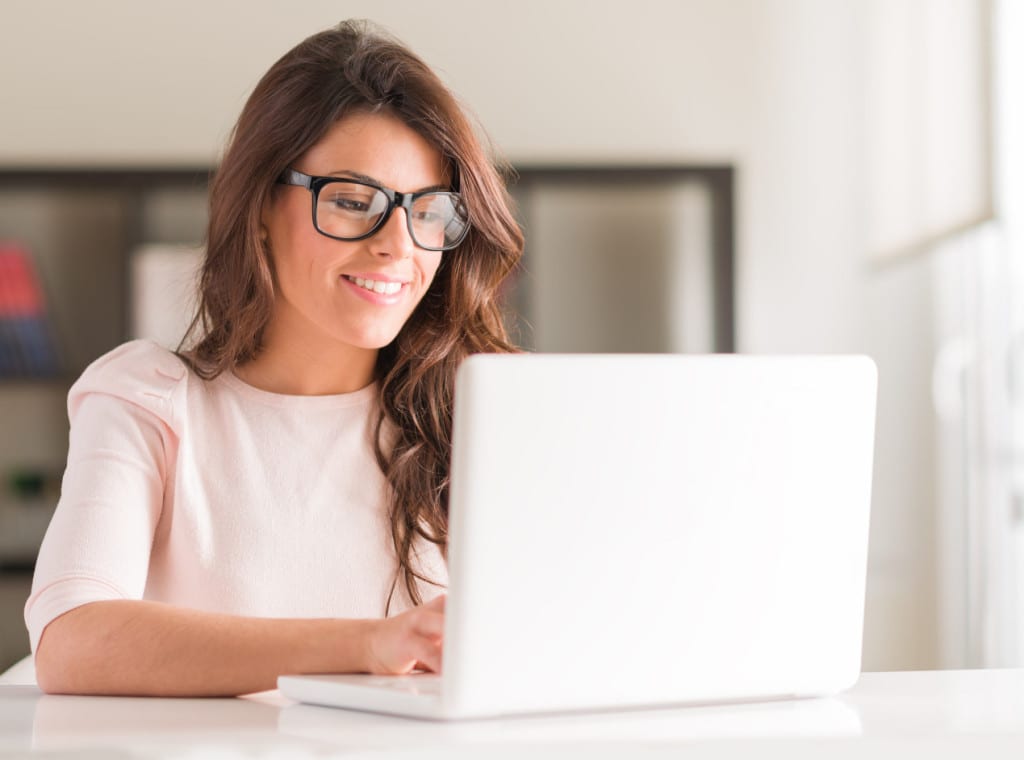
(351,210)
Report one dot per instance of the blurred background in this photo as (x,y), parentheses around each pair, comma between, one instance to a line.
(761,176)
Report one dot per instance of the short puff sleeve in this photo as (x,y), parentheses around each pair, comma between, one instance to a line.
(125,413)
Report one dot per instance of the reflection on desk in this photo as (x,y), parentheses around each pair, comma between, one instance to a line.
(805,717)
(897,715)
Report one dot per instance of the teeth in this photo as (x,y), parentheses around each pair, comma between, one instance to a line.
(377,286)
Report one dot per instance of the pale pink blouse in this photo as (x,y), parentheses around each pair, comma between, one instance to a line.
(217,496)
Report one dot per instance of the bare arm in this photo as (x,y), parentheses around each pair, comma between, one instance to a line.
(129,647)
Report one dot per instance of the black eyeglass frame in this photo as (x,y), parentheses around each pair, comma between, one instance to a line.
(396,199)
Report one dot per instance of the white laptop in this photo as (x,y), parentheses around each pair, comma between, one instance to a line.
(645,530)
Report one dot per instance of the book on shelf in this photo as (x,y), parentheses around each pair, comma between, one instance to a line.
(27,345)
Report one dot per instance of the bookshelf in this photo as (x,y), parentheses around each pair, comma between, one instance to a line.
(79,227)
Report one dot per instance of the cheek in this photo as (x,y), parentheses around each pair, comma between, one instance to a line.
(430,265)
(297,258)
(293,240)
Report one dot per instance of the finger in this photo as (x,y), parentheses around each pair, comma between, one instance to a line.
(429,655)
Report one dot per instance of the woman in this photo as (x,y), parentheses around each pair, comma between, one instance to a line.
(273,499)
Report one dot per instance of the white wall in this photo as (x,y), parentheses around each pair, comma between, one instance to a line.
(773,86)
(115,81)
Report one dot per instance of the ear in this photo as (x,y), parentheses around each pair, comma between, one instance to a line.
(265,214)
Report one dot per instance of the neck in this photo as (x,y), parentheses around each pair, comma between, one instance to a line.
(307,366)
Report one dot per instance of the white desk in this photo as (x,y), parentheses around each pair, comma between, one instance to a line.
(962,714)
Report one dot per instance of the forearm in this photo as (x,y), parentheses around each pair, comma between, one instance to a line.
(151,649)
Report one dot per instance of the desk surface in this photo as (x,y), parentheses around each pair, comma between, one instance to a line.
(977,713)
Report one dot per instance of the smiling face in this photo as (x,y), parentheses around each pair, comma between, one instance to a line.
(351,296)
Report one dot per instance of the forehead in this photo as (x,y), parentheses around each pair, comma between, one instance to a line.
(377,145)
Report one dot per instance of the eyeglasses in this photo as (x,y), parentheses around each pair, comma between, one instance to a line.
(350,209)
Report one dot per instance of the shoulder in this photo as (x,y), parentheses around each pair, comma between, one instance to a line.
(139,372)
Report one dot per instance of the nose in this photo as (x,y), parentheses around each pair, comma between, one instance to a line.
(393,239)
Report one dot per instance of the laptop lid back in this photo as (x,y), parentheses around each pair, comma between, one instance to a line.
(637,530)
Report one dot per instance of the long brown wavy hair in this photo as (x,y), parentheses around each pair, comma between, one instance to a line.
(354,68)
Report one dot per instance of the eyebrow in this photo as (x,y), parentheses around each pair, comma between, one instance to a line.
(377,183)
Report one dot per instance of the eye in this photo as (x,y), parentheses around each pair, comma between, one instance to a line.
(432,209)
(350,202)
(427,215)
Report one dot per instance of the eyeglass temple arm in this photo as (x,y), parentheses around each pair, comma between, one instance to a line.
(292,177)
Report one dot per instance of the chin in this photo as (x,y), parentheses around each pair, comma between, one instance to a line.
(372,341)
(370,335)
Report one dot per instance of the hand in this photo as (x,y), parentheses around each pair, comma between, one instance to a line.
(407,642)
